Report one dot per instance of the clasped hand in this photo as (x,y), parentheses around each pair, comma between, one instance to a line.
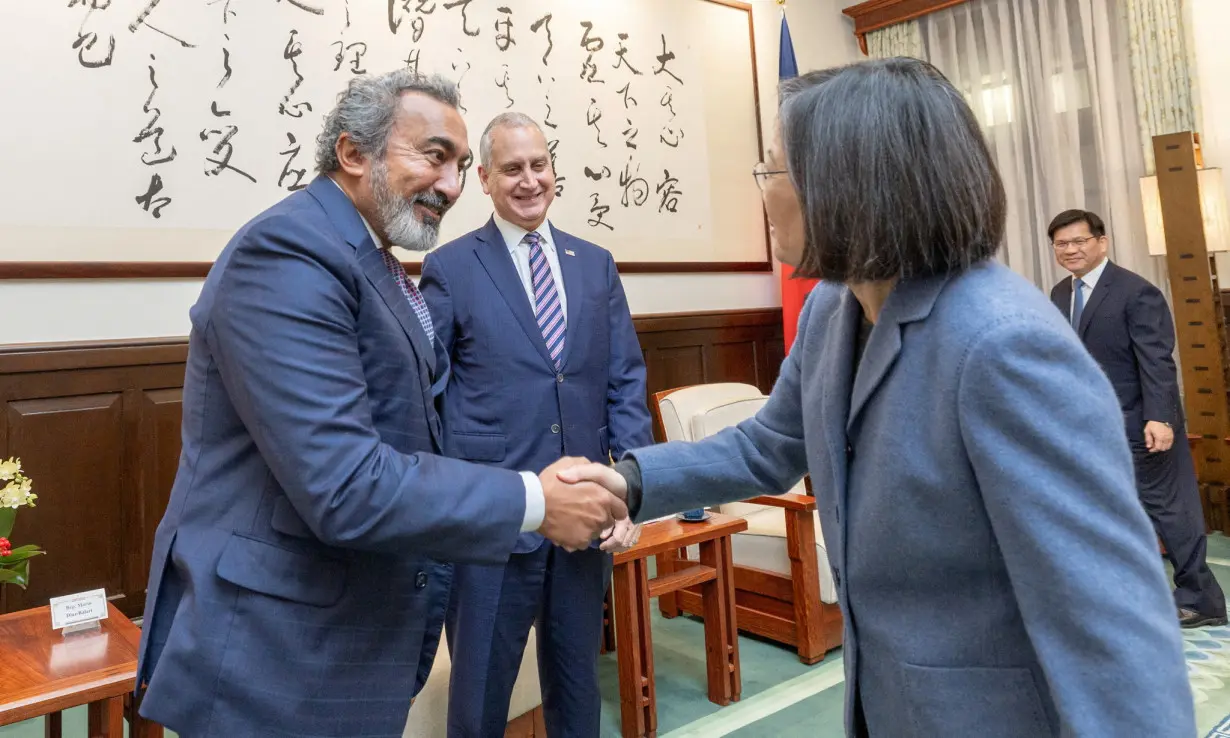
(585,501)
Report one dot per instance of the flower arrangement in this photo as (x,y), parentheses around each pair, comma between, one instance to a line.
(15,493)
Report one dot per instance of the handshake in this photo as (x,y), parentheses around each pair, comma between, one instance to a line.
(585,501)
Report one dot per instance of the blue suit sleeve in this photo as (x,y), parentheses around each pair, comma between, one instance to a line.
(764,455)
(1152,332)
(628,423)
(1044,435)
(290,364)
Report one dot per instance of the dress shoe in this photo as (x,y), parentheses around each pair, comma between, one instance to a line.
(1193,619)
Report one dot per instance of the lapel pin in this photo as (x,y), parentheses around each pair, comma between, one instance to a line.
(570,252)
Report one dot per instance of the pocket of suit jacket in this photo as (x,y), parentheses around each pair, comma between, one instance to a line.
(269,569)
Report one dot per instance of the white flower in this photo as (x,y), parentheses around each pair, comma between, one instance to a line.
(9,469)
(11,495)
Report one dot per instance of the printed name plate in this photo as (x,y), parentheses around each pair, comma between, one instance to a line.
(80,611)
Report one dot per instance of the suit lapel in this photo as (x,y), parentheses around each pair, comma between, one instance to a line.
(350,224)
(493,254)
(910,301)
(1062,298)
(1096,297)
(573,275)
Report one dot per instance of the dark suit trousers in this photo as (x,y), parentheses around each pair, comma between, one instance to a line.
(1168,489)
(487,626)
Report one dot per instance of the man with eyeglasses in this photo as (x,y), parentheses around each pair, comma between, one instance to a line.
(1125,323)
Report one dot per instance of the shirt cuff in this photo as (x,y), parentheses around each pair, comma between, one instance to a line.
(535,503)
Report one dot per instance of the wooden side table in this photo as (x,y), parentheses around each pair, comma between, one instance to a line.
(46,672)
(634,639)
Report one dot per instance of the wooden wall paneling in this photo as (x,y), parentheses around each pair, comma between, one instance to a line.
(97,425)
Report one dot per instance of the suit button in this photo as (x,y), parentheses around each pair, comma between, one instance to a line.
(849,451)
(555,428)
(420,581)
(559,378)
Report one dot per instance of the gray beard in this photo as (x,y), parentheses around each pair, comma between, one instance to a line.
(401,225)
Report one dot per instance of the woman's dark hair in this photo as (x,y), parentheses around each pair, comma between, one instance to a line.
(1070,217)
(892,172)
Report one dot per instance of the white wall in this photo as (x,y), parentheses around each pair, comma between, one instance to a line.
(71,310)
(1206,24)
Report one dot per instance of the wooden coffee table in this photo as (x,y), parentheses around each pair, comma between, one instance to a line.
(634,639)
(46,672)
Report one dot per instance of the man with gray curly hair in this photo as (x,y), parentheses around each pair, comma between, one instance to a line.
(302,569)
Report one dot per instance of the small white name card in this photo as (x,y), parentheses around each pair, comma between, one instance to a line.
(78,611)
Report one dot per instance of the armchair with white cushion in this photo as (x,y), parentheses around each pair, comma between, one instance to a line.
(784,587)
(428,716)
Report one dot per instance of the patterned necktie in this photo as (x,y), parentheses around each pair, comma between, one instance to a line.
(411,291)
(547,306)
(1078,302)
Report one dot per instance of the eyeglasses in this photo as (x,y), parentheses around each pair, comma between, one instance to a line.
(1077,242)
(760,172)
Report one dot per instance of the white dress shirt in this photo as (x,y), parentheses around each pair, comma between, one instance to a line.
(1088,282)
(535,502)
(520,252)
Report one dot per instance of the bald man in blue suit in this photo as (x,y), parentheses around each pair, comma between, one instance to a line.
(545,363)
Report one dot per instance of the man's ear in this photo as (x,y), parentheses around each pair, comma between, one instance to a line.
(353,162)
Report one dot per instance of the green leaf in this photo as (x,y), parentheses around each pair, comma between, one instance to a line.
(20,553)
(19,574)
(7,517)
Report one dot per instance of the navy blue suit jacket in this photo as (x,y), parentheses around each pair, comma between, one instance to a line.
(1128,329)
(506,405)
(296,586)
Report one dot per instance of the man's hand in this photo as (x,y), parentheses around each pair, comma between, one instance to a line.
(601,474)
(1158,436)
(576,512)
(622,537)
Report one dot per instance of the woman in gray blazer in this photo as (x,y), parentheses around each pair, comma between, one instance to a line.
(997,574)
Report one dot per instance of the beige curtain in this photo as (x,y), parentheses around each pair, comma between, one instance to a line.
(1160,70)
(901,39)
(1049,81)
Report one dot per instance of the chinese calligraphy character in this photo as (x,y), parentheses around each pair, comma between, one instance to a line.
(629,139)
(670,195)
(340,56)
(141,21)
(599,174)
(293,49)
(675,135)
(464,19)
(291,152)
(544,21)
(663,59)
(85,42)
(598,210)
(503,85)
(151,129)
(559,186)
(224,150)
(589,69)
(636,189)
(504,39)
(667,98)
(217,112)
(547,99)
(620,60)
(627,96)
(592,116)
(226,66)
(460,78)
(148,200)
(412,60)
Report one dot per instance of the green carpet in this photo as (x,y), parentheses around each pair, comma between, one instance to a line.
(782,697)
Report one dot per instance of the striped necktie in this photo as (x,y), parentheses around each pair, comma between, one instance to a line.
(547,306)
